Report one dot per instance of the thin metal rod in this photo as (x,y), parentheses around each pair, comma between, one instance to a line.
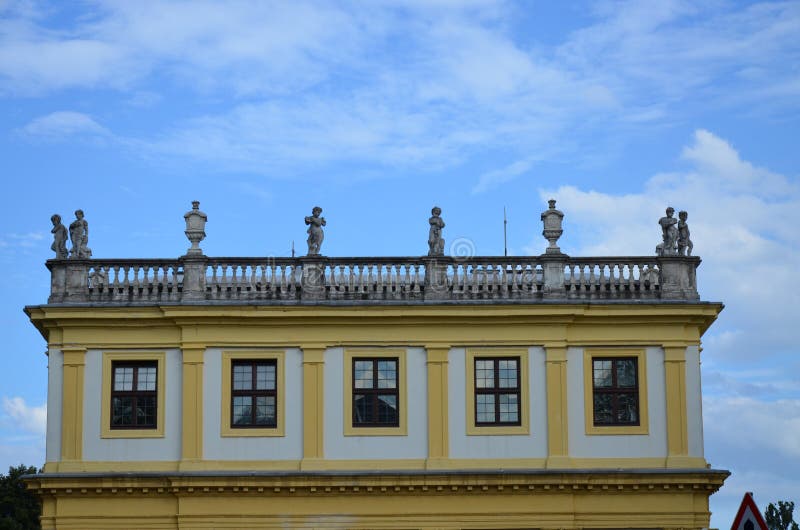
(505,237)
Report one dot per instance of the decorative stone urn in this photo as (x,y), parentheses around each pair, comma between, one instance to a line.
(195,228)
(552,227)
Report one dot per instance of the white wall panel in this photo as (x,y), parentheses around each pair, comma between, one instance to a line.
(55,384)
(694,402)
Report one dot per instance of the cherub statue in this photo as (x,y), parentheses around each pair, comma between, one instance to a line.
(669,232)
(435,239)
(79,235)
(315,232)
(684,243)
(59,232)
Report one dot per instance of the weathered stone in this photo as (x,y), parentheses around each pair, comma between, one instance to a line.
(685,244)
(315,233)
(59,232)
(195,228)
(669,234)
(79,236)
(435,239)
(679,277)
(552,219)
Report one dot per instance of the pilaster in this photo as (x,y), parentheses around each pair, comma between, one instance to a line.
(557,415)
(438,418)
(313,404)
(192,413)
(72,403)
(677,425)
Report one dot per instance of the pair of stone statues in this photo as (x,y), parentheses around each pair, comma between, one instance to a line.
(675,235)
(78,235)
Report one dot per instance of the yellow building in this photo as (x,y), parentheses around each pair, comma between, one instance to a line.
(424,392)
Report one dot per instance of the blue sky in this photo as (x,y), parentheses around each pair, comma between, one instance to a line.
(378,110)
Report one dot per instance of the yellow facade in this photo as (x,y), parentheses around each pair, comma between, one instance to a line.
(558,489)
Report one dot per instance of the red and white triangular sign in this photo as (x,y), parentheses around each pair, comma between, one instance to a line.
(748,517)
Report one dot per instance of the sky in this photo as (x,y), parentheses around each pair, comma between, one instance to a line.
(377,111)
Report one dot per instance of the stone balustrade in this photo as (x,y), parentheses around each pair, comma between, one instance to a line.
(318,279)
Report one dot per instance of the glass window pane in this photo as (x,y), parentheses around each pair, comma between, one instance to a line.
(387,374)
(265,410)
(242,377)
(626,373)
(123,379)
(362,411)
(363,374)
(242,410)
(627,409)
(603,411)
(146,411)
(602,374)
(265,377)
(484,373)
(387,409)
(121,411)
(508,373)
(146,378)
(484,408)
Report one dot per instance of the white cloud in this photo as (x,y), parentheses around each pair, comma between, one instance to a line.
(25,417)
(494,178)
(64,124)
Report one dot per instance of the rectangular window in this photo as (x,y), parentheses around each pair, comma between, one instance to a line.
(615,391)
(497,391)
(254,393)
(134,395)
(497,400)
(376,400)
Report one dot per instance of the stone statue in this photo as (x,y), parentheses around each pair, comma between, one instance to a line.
(669,231)
(59,237)
(435,239)
(315,232)
(684,243)
(79,235)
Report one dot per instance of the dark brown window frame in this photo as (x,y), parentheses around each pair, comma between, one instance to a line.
(373,394)
(496,391)
(253,393)
(134,394)
(615,391)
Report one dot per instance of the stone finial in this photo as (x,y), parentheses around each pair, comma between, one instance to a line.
(79,236)
(669,234)
(59,232)
(195,227)
(435,239)
(552,219)
(315,233)
(684,243)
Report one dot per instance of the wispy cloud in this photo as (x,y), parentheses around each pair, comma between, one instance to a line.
(64,124)
(32,419)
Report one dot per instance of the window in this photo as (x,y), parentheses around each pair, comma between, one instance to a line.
(374,392)
(616,391)
(133,395)
(615,387)
(253,393)
(497,391)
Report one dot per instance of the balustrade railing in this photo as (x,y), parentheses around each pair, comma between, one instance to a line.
(364,279)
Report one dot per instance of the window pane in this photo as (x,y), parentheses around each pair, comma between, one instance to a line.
(362,411)
(146,378)
(509,408)
(265,377)
(387,409)
(484,373)
(242,410)
(242,377)
(363,374)
(146,411)
(484,410)
(265,410)
(627,409)
(603,409)
(387,374)
(123,379)
(508,373)
(602,374)
(626,373)
(122,411)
